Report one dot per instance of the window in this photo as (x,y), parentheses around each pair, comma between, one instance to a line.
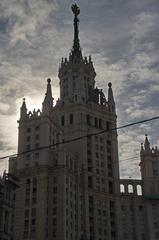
(32,233)
(111,190)
(97,180)
(139,190)
(28,147)
(140,208)
(54,233)
(28,129)
(155,225)
(54,200)
(37,145)
(96,122)
(90,182)
(34,189)
(104,213)
(33,222)
(111,205)
(26,213)
(130,188)
(55,190)
(37,128)
(62,120)
(54,221)
(37,136)
(99,212)
(33,212)
(88,119)
(36,155)
(89,160)
(28,181)
(27,201)
(100,123)
(27,192)
(89,169)
(54,211)
(54,180)
(25,234)
(89,152)
(71,118)
(97,155)
(28,138)
(122,188)
(28,157)
(34,181)
(97,170)
(34,200)
(107,126)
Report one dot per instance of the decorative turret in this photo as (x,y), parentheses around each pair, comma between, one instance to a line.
(146,143)
(23,110)
(48,100)
(111,101)
(149,167)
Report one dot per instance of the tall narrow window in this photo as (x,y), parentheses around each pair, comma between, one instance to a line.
(96,122)
(88,120)
(111,188)
(107,125)
(90,182)
(71,118)
(100,123)
(62,120)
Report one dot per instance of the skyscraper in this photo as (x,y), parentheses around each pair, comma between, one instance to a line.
(68,163)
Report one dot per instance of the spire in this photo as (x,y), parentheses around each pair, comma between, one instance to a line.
(48,100)
(76,49)
(23,110)
(146,143)
(110,93)
(111,102)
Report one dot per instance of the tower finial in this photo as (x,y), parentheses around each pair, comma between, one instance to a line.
(23,110)
(111,101)
(147,144)
(110,93)
(48,100)
(76,50)
(75,9)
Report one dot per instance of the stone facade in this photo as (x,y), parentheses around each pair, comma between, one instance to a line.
(68,165)
(8,184)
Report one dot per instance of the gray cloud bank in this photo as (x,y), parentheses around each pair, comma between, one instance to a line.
(122,37)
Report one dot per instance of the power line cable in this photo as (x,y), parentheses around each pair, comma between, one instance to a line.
(79,138)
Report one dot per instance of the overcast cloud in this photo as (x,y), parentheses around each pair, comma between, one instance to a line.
(122,37)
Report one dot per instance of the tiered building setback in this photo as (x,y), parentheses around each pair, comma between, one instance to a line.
(68,165)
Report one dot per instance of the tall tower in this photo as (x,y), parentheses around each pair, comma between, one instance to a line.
(149,166)
(68,158)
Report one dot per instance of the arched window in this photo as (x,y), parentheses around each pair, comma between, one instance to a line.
(139,190)
(122,188)
(130,188)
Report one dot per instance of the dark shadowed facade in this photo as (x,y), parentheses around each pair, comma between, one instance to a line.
(8,185)
(68,165)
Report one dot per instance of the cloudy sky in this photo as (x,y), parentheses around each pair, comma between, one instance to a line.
(121,35)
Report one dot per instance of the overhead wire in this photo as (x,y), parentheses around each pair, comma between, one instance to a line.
(80,138)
